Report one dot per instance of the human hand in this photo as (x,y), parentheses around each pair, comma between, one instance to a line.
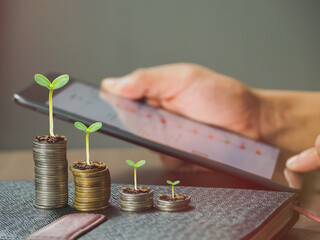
(306,161)
(272,116)
(195,92)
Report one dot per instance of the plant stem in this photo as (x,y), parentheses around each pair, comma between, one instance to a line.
(87,148)
(51,113)
(135,178)
(172,191)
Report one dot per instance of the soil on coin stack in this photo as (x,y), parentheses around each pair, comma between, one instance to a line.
(177,197)
(134,191)
(85,166)
(51,139)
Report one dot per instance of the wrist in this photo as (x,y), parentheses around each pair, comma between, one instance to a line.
(288,119)
(272,116)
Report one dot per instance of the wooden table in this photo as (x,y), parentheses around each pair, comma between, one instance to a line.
(18,165)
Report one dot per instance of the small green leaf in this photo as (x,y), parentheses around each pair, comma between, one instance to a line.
(141,163)
(176,182)
(42,81)
(169,182)
(60,81)
(94,127)
(130,163)
(80,126)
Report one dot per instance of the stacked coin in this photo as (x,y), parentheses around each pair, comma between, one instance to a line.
(136,202)
(172,206)
(92,188)
(51,174)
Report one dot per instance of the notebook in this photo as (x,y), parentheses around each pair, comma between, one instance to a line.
(215,213)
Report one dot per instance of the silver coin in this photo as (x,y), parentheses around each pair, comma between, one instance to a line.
(136,197)
(50,187)
(50,203)
(41,192)
(50,171)
(134,205)
(58,192)
(46,185)
(46,177)
(49,200)
(136,208)
(53,189)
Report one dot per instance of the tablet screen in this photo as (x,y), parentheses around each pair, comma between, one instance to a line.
(168,129)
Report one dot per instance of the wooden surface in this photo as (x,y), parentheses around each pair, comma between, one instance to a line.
(18,165)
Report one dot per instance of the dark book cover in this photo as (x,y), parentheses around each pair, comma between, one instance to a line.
(215,213)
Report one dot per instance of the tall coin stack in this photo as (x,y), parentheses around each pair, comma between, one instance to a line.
(136,202)
(51,174)
(92,188)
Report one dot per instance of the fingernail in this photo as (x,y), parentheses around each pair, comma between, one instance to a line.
(111,85)
(109,82)
(286,175)
(306,153)
(318,145)
(292,161)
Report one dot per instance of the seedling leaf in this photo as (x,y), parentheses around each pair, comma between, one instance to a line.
(172,185)
(94,127)
(80,126)
(176,183)
(42,81)
(60,81)
(140,163)
(130,163)
(57,83)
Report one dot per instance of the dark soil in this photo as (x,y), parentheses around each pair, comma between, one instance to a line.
(139,190)
(177,197)
(85,166)
(51,139)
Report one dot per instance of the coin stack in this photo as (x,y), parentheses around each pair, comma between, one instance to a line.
(172,206)
(92,188)
(136,202)
(51,174)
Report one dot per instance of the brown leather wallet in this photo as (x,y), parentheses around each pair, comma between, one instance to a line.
(70,226)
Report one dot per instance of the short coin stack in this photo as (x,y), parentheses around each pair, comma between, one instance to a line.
(92,188)
(51,174)
(172,206)
(136,202)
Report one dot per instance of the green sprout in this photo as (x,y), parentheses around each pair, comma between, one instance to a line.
(135,165)
(92,128)
(57,83)
(173,184)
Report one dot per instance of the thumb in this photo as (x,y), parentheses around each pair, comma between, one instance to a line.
(306,161)
(161,82)
(318,145)
(126,86)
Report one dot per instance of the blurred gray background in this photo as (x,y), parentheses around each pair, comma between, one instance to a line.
(266,44)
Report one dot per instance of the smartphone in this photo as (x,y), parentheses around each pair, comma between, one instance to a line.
(161,131)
